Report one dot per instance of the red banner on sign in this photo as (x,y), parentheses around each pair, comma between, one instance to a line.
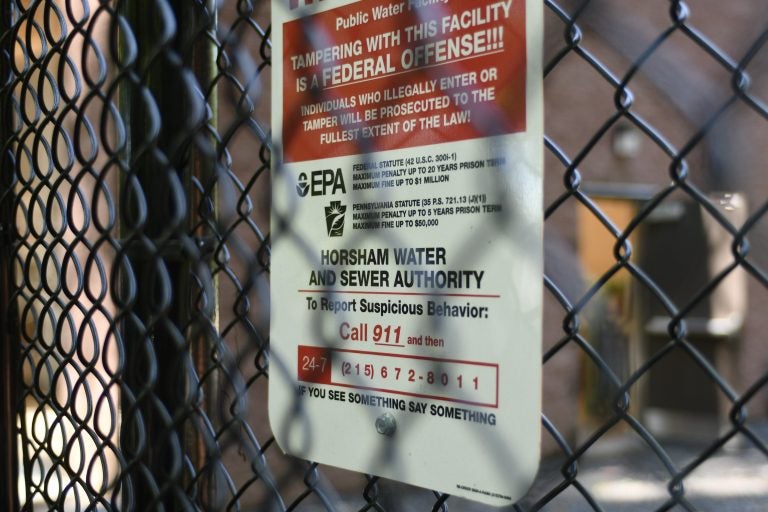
(379,75)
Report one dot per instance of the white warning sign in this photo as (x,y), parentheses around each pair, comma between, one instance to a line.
(406,267)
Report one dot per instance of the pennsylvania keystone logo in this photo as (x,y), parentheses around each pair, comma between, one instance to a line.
(334,218)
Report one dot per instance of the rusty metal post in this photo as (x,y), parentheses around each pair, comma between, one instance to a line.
(200,56)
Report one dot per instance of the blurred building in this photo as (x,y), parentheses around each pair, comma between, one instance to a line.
(635,103)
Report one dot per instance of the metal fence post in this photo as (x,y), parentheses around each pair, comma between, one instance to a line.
(10,374)
(203,208)
(146,345)
(164,78)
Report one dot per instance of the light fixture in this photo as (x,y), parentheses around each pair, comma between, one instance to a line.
(626,141)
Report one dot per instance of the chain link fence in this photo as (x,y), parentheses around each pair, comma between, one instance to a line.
(135,205)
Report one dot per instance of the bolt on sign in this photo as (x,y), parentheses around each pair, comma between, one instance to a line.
(407,240)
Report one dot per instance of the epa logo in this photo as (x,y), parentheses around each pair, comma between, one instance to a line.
(320,183)
(302,187)
(334,218)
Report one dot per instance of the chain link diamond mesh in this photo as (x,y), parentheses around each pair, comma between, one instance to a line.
(135,255)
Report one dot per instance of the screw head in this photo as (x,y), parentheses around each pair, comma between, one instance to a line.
(386,424)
